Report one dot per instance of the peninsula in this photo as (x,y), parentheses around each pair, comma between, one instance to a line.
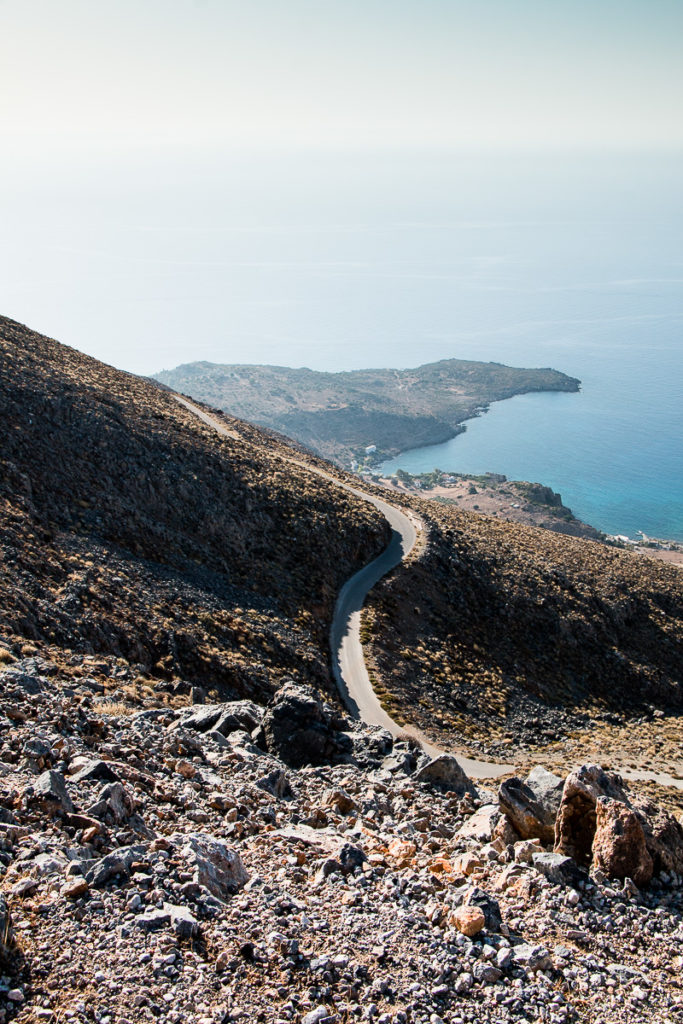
(361,416)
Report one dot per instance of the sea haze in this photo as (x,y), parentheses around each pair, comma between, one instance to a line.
(340,262)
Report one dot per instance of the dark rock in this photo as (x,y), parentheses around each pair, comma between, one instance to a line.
(6,816)
(119,862)
(490,908)
(350,857)
(530,957)
(445,772)
(486,973)
(183,922)
(558,869)
(115,802)
(26,681)
(223,718)
(276,782)
(299,729)
(6,931)
(369,745)
(50,790)
(152,920)
(96,770)
(215,866)
(37,751)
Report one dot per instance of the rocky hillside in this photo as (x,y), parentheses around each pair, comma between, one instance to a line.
(338,415)
(129,529)
(191,834)
(231,863)
(515,637)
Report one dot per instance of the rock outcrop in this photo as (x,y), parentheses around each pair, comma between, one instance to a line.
(619,846)
(300,729)
(532,805)
(577,822)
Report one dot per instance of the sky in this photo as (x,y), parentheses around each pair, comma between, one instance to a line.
(80,77)
(306,181)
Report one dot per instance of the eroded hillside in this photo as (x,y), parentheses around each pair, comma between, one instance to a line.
(130,529)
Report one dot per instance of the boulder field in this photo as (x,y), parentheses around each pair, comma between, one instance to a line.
(234,861)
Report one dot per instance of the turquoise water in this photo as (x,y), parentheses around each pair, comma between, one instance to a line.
(339,261)
(614,451)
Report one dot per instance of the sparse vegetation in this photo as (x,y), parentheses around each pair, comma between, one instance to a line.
(131,529)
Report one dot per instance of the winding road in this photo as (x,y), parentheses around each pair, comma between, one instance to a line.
(348,661)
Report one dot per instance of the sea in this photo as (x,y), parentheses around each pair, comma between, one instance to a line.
(344,260)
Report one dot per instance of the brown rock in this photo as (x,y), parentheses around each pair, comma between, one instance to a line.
(400,853)
(576,820)
(73,889)
(468,920)
(575,824)
(619,847)
(663,835)
(340,800)
(468,863)
(505,832)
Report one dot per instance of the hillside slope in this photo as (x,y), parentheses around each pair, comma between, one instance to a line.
(132,530)
(339,414)
(514,637)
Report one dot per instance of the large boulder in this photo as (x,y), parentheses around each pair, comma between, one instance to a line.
(576,818)
(214,865)
(223,718)
(532,805)
(576,823)
(300,729)
(445,772)
(663,835)
(619,846)
(547,788)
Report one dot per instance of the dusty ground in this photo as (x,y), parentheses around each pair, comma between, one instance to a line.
(505,500)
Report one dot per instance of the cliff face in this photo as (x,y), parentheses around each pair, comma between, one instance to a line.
(339,414)
(132,529)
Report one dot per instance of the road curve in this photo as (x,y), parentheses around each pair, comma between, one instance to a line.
(348,661)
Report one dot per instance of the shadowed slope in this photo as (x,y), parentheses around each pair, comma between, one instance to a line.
(131,528)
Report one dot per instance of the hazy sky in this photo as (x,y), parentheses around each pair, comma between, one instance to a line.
(89,74)
(312,181)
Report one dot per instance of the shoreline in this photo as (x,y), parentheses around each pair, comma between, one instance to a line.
(518,501)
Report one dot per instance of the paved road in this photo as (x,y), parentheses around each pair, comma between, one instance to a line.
(348,662)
